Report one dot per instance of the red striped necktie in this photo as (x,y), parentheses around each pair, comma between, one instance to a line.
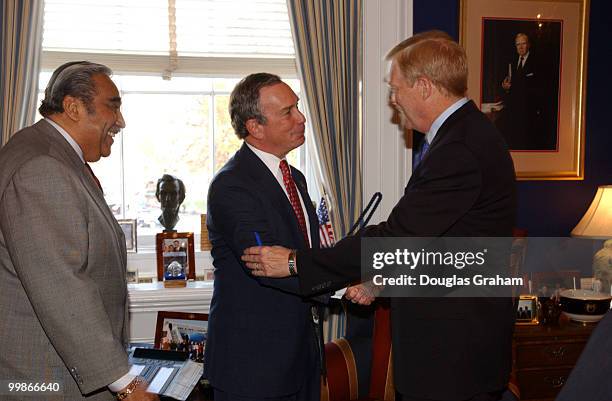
(294,199)
(94,176)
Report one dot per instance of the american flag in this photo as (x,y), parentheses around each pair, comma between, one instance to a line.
(326,232)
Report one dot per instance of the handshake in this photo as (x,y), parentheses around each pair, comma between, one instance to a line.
(274,261)
(362,294)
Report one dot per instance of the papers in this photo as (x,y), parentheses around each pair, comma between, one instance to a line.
(185,380)
(136,369)
(171,381)
(159,381)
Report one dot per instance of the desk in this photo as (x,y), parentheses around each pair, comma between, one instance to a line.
(543,357)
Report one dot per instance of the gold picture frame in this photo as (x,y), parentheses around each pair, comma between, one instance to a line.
(546,137)
(527,310)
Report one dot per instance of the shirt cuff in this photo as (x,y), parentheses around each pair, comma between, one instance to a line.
(120,384)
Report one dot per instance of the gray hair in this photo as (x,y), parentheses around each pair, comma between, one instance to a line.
(71,79)
(244,101)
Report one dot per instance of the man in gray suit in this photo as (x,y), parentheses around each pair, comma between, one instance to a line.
(63,294)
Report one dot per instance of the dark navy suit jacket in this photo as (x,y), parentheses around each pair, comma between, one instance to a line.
(261,341)
(443,348)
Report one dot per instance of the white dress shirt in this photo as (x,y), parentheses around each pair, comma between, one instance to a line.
(435,126)
(273,163)
(68,138)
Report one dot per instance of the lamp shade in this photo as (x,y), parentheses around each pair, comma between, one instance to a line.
(597,221)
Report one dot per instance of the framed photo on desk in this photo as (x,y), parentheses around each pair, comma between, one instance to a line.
(175,256)
(527,310)
(181,331)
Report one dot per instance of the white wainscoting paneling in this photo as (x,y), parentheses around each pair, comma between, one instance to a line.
(146,299)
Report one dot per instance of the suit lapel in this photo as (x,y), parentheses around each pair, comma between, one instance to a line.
(260,173)
(91,187)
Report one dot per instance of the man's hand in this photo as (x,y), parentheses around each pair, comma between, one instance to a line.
(267,261)
(506,83)
(362,294)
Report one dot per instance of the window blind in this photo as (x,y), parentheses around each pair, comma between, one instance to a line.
(204,28)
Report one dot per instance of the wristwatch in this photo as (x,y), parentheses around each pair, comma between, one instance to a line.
(291,262)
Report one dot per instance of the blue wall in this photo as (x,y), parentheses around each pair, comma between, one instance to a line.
(552,208)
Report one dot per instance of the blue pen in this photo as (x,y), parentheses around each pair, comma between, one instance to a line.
(257,238)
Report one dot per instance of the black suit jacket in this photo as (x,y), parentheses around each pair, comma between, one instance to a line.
(261,340)
(524,122)
(442,348)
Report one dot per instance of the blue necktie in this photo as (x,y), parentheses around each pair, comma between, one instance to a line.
(420,154)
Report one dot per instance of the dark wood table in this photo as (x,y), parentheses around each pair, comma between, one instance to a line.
(544,355)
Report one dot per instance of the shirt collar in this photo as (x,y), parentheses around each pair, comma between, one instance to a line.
(271,161)
(68,138)
(431,134)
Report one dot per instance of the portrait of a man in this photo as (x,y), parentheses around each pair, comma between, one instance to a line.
(520,88)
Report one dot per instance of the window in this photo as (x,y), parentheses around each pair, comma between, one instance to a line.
(180,125)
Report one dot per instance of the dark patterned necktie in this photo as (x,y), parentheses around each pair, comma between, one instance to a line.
(520,64)
(294,199)
(94,176)
(418,157)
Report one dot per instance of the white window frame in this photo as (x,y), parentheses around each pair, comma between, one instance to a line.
(229,67)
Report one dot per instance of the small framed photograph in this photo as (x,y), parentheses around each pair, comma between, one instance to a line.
(181,331)
(175,256)
(550,284)
(527,310)
(131,276)
(129,230)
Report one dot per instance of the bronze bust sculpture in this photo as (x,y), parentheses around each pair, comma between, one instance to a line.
(170,192)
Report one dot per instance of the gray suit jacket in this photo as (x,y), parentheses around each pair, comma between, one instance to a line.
(63,295)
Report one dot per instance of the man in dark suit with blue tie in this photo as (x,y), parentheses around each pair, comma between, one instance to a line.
(262,339)
(454,349)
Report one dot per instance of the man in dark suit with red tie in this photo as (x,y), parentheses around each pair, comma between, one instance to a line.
(443,348)
(262,335)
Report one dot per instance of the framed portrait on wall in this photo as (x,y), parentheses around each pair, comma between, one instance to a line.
(527,63)
(175,256)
